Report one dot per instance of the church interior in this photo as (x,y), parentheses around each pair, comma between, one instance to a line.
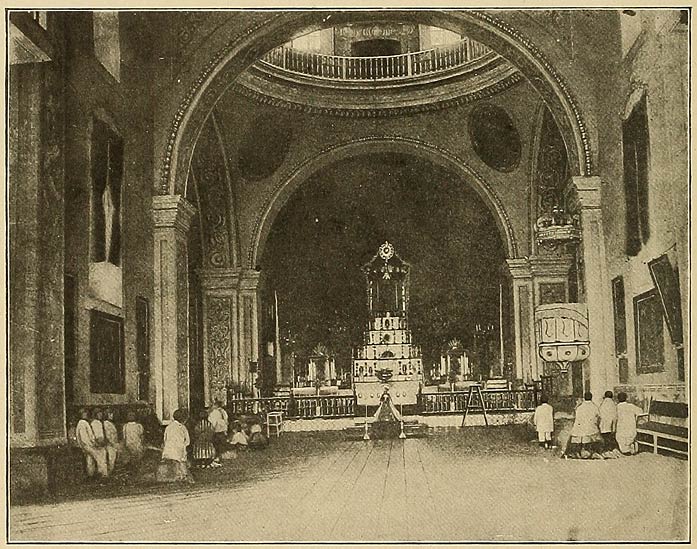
(192,197)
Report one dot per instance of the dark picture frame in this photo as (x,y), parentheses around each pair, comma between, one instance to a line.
(668,286)
(107,371)
(648,333)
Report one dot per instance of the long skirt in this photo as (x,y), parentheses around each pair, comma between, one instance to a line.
(170,470)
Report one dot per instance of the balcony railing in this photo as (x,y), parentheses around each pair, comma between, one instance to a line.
(390,67)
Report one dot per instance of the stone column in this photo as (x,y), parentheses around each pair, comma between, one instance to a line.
(220,329)
(524,317)
(584,199)
(248,328)
(172,216)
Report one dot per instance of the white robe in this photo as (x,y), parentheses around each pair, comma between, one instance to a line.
(176,441)
(627,414)
(608,416)
(586,422)
(95,456)
(133,438)
(544,418)
(219,420)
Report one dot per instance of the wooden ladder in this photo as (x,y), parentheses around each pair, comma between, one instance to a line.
(475,390)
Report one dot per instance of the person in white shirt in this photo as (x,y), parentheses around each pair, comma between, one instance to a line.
(608,421)
(98,429)
(544,422)
(174,465)
(111,436)
(627,414)
(95,455)
(132,432)
(219,420)
(585,433)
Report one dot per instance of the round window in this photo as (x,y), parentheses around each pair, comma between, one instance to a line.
(494,137)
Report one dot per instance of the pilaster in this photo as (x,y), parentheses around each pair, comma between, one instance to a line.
(172,216)
(584,199)
(523,317)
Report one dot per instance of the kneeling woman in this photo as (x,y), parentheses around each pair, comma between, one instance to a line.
(174,466)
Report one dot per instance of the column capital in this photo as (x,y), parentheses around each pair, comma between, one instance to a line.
(583,193)
(519,267)
(541,265)
(219,278)
(249,279)
(172,211)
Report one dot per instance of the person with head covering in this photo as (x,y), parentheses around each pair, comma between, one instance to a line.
(95,455)
(544,422)
(219,419)
(111,436)
(608,421)
(97,425)
(257,439)
(133,446)
(203,451)
(585,433)
(627,414)
(174,466)
(239,439)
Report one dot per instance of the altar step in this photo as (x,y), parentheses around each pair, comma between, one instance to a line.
(379,430)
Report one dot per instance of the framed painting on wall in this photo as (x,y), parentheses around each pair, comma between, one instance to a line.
(107,372)
(665,278)
(648,331)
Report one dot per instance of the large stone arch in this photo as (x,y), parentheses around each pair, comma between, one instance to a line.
(247,46)
(377,144)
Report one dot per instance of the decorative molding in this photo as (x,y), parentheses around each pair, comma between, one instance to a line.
(212,91)
(219,278)
(430,150)
(362,111)
(172,212)
(519,268)
(584,193)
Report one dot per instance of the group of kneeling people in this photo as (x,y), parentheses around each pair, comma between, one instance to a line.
(97,436)
(598,432)
(205,442)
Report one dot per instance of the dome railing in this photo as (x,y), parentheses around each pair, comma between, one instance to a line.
(388,67)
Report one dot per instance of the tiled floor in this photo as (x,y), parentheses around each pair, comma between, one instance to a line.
(453,485)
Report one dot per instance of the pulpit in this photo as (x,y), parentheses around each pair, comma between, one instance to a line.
(561,330)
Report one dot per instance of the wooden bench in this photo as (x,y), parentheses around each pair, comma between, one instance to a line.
(666,429)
